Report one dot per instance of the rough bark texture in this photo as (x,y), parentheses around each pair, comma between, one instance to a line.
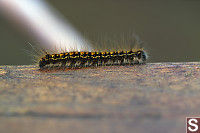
(155,97)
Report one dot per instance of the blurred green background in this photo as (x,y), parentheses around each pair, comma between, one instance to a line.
(170,29)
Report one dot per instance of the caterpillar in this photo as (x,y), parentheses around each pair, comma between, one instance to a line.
(72,60)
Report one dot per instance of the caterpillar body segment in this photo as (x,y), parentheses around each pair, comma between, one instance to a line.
(71,60)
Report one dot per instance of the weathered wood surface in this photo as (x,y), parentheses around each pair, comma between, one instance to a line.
(156,98)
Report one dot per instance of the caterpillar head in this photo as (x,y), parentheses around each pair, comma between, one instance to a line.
(142,56)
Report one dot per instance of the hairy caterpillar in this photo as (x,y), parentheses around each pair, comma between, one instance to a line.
(123,50)
(73,60)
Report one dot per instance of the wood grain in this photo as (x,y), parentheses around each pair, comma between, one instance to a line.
(155,97)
